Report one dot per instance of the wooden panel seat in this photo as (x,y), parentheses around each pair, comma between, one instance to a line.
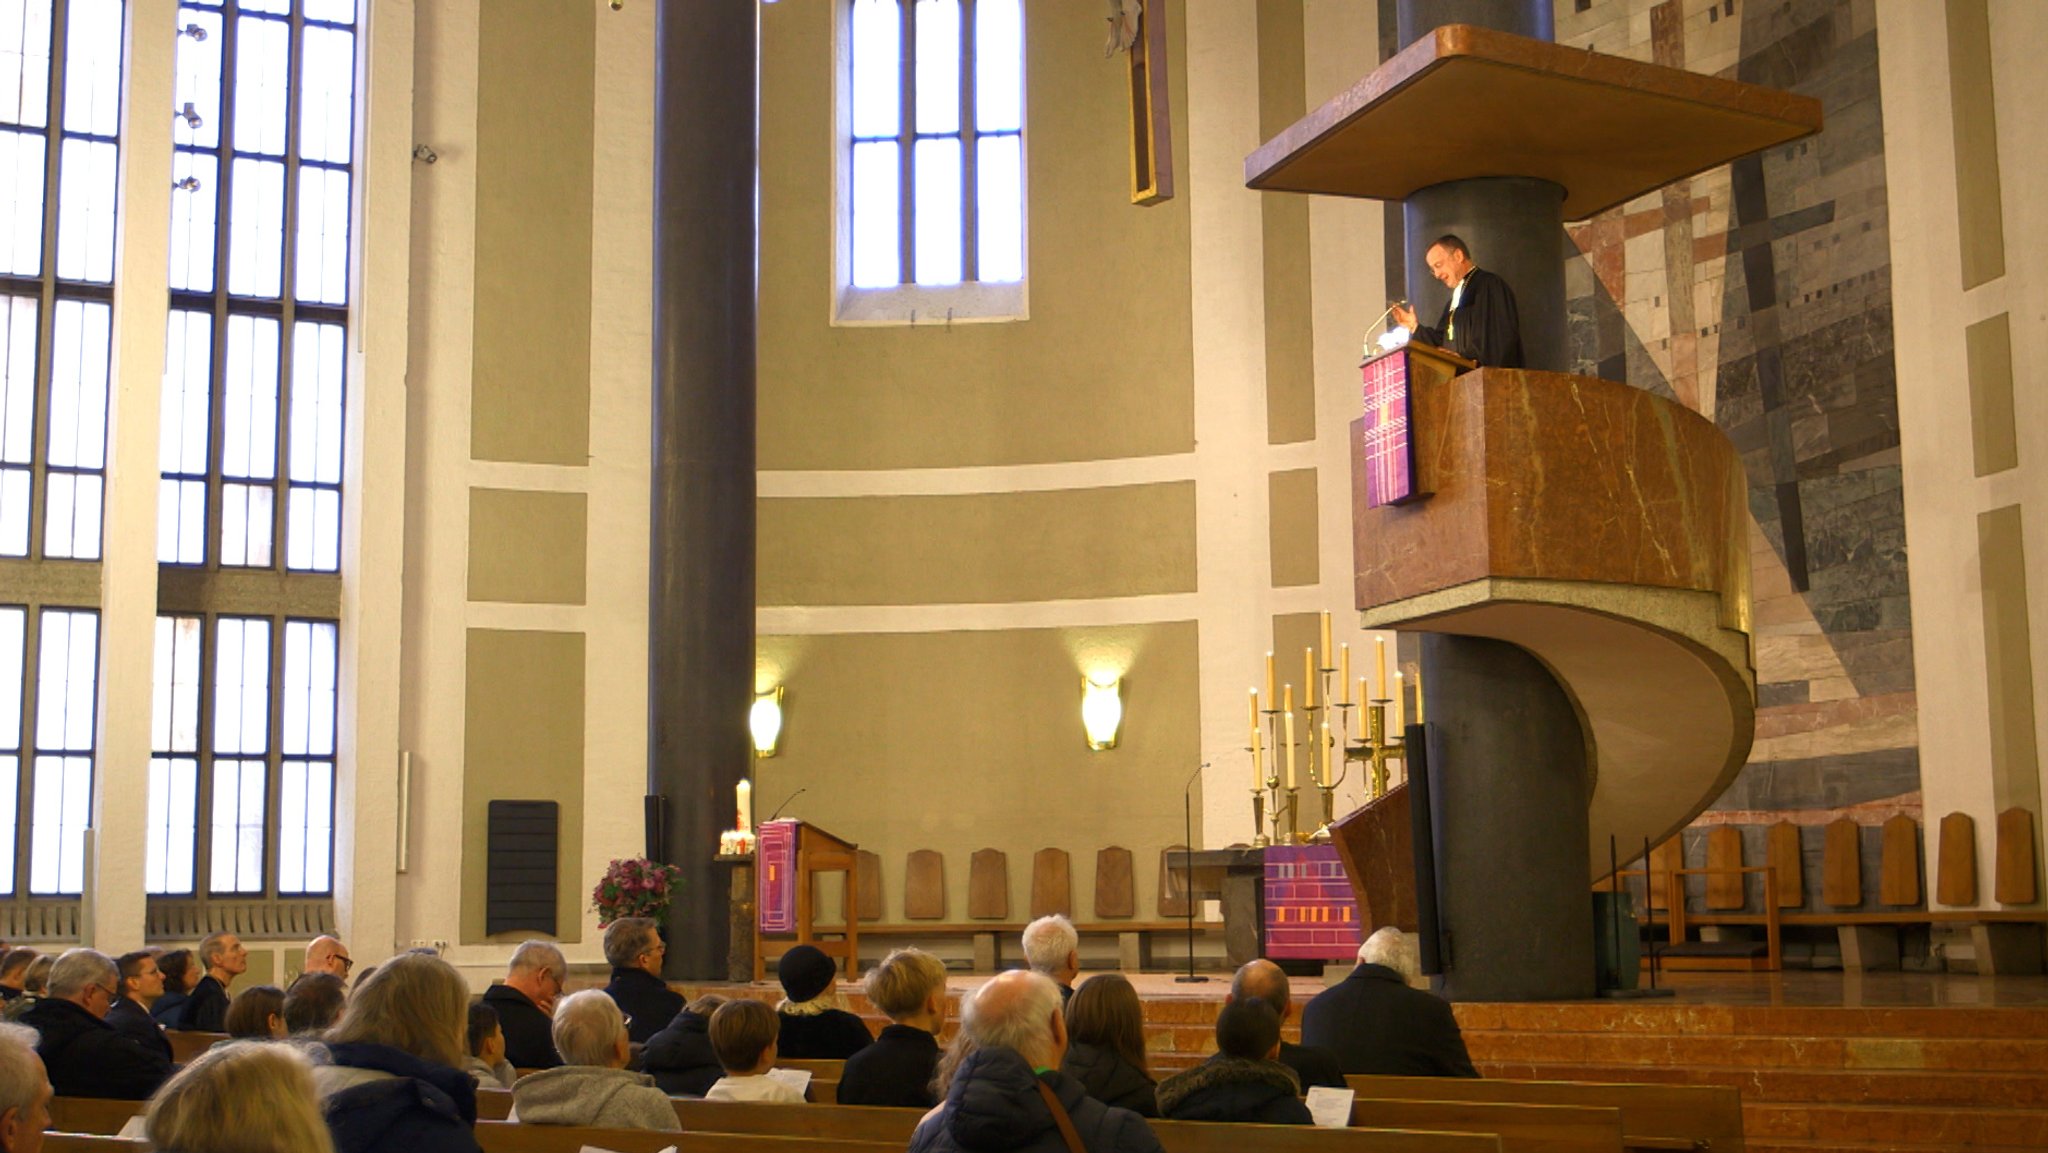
(1052,884)
(93,1115)
(1955,876)
(93,1143)
(1521,1128)
(1687,1116)
(870,895)
(1724,864)
(1785,859)
(1174,898)
(988,885)
(512,1137)
(2014,868)
(1116,895)
(1841,865)
(924,886)
(1898,869)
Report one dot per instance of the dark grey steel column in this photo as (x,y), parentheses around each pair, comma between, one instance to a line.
(1515,229)
(701,583)
(1509,794)
(1531,18)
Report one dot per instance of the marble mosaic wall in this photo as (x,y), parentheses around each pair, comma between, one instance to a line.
(1760,295)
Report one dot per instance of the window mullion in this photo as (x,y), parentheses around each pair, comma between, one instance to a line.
(273,761)
(906,145)
(288,264)
(970,226)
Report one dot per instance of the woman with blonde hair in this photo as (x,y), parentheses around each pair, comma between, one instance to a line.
(397,1080)
(241,1097)
(1106,1044)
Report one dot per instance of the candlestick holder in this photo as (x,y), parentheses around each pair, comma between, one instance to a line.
(1378,749)
(1259,838)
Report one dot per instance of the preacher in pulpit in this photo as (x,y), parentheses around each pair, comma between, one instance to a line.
(1480,323)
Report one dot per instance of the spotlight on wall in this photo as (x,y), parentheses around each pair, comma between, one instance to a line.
(1102,708)
(765,721)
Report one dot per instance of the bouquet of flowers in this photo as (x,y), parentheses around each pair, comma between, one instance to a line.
(634,887)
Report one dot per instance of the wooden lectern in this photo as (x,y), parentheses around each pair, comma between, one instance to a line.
(791,855)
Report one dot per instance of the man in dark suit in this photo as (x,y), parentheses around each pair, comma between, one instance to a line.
(141,985)
(635,949)
(1480,323)
(525,1003)
(85,1056)
(1262,980)
(1375,1023)
(224,959)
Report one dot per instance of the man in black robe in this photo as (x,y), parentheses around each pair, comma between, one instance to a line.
(1480,322)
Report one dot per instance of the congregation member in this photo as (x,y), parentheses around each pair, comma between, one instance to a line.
(181,972)
(814,1027)
(313,1003)
(525,1001)
(25,1092)
(396,1079)
(1375,1023)
(680,1057)
(1106,1044)
(995,1100)
(141,985)
(743,1035)
(256,1014)
(223,958)
(910,987)
(13,969)
(592,1086)
(1052,947)
(85,1056)
(1266,981)
(634,949)
(1243,1081)
(328,955)
(487,1065)
(35,980)
(241,1098)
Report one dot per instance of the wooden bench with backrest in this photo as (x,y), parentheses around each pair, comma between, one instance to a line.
(185,1046)
(93,1114)
(1521,1128)
(1696,1117)
(511,1137)
(92,1143)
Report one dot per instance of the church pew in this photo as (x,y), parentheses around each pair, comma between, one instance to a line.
(93,1114)
(1521,1128)
(493,1104)
(1706,1117)
(185,1046)
(828,1067)
(92,1143)
(510,1137)
(851,1122)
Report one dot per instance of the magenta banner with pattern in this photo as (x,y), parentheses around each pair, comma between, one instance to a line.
(1311,913)
(775,878)
(1389,439)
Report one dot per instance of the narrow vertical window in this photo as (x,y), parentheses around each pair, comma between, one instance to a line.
(61,786)
(174,757)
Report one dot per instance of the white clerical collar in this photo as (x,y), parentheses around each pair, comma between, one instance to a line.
(1458,293)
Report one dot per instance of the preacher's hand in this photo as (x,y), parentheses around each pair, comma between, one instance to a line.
(1405,317)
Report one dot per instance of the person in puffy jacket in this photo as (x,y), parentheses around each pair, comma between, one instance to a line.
(680,1057)
(592,1086)
(1244,1081)
(241,1097)
(1106,1044)
(1002,1082)
(396,1079)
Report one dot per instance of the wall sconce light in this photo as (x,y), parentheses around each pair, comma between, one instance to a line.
(1102,709)
(765,721)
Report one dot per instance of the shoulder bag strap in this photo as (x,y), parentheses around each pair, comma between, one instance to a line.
(1059,1116)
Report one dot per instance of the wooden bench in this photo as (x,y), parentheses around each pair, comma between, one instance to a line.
(185,1046)
(92,1143)
(1521,1128)
(1694,1117)
(510,1137)
(93,1114)
(1134,939)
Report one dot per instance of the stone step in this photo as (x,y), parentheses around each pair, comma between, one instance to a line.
(1943,1128)
(1811,1051)
(1813,1087)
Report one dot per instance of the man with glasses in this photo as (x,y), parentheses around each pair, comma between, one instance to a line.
(328,955)
(634,947)
(85,1056)
(141,984)
(525,1003)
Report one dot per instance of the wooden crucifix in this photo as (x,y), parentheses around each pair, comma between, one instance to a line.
(1151,112)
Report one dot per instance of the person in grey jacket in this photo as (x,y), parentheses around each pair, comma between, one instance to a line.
(593,1085)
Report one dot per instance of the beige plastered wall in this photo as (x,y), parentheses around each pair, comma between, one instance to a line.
(1966,142)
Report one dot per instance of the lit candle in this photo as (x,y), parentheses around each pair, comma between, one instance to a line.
(1289,735)
(1270,694)
(1344,670)
(1400,709)
(1325,650)
(1379,653)
(744,794)
(1308,678)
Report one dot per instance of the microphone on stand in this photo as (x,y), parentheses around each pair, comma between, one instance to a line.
(1187,868)
(785,802)
(1376,323)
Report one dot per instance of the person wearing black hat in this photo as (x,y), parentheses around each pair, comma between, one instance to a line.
(814,1027)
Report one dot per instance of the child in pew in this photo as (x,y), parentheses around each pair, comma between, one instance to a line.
(487,1062)
(743,1035)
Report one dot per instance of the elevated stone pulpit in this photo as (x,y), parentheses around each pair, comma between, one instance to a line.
(1573,550)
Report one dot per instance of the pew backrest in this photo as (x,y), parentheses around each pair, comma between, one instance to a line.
(1208,1137)
(1708,1117)
(92,1143)
(1521,1128)
(493,1104)
(852,1122)
(185,1046)
(90,1115)
(511,1137)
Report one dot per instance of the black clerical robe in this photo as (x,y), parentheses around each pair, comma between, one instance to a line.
(1484,328)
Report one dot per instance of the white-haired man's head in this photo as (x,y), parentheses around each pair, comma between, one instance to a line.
(589,1029)
(1392,948)
(24,1091)
(1052,947)
(1020,1010)
(538,970)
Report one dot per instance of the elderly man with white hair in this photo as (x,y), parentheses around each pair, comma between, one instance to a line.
(525,1001)
(1052,947)
(1376,1023)
(24,1091)
(593,1085)
(1003,1089)
(85,1056)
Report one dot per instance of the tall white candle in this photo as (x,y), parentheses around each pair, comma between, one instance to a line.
(744,794)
